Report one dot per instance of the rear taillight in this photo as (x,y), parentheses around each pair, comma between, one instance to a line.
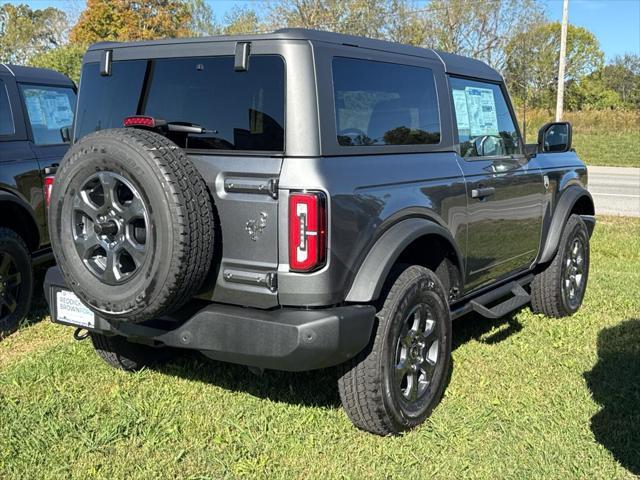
(307,231)
(48,186)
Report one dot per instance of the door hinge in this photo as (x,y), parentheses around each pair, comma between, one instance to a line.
(268,280)
(250,185)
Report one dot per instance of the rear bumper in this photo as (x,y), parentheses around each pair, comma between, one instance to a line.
(283,339)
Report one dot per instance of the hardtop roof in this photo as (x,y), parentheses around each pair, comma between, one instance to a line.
(36,75)
(454,64)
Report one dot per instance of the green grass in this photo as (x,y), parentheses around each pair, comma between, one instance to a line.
(530,397)
(608,149)
(601,137)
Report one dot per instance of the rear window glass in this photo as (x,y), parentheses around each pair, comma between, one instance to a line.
(238,110)
(6,120)
(49,109)
(380,103)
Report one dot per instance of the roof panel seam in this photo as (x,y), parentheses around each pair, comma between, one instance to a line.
(8,69)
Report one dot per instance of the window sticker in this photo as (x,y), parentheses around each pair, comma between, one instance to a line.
(462,114)
(36,115)
(48,109)
(481,105)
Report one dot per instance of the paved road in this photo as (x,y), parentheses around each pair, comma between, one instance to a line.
(615,190)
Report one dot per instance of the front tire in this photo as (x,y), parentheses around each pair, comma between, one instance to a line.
(398,380)
(559,289)
(16,280)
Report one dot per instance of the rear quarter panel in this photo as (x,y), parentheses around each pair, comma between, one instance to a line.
(367,195)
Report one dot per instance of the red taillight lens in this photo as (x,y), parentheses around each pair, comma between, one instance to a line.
(48,186)
(139,121)
(307,231)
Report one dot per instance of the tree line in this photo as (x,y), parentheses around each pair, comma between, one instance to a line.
(513,36)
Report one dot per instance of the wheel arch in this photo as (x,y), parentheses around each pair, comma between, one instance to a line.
(413,240)
(574,200)
(18,216)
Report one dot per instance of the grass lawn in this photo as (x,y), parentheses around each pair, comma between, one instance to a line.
(606,137)
(530,397)
(608,149)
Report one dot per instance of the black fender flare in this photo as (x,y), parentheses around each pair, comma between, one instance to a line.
(568,199)
(9,197)
(377,264)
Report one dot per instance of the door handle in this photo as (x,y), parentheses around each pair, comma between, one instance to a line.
(483,192)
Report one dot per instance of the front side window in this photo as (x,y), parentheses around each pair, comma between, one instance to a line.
(380,103)
(485,125)
(237,110)
(6,118)
(49,109)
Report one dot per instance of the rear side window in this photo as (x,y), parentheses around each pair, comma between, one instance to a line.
(49,109)
(6,118)
(238,110)
(379,103)
(485,125)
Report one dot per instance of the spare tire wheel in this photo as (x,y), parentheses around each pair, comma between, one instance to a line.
(131,224)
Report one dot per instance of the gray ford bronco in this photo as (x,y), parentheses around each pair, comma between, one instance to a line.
(301,200)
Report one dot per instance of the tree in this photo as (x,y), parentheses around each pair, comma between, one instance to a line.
(356,17)
(622,75)
(66,59)
(405,23)
(202,21)
(480,30)
(242,21)
(532,61)
(123,20)
(590,93)
(25,32)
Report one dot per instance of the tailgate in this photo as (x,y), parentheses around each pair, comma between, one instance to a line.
(244,193)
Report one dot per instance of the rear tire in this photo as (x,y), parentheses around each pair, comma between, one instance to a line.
(16,280)
(396,382)
(559,289)
(121,354)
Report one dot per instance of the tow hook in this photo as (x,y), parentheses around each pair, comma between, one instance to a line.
(79,336)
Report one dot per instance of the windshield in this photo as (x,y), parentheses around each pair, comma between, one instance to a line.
(238,110)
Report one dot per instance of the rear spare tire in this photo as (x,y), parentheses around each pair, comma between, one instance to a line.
(131,224)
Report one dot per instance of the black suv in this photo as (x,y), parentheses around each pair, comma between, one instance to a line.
(36,110)
(302,200)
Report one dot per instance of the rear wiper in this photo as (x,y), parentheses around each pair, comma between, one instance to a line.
(187,127)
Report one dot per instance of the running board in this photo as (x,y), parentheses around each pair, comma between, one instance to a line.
(518,298)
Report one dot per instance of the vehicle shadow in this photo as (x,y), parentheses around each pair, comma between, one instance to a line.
(476,327)
(615,384)
(317,388)
(39,307)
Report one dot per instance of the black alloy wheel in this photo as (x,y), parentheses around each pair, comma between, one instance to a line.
(110,222)
(10,284)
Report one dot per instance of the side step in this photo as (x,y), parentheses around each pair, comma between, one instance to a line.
(518,297)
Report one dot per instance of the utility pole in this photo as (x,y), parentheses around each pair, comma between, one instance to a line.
(563,55)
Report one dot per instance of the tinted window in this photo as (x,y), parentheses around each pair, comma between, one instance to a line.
(104,102)
(484,122)
(48,109)
(384,103)
(239,110)
(6,119)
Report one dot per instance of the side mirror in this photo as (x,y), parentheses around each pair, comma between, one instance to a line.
(65,133)
(555,137)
